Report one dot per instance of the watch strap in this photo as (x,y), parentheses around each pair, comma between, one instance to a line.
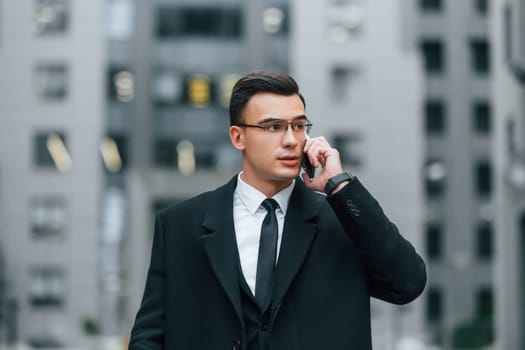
(335,181)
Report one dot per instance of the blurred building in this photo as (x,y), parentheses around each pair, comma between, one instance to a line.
(508,28)
(458,170)
(183,57)
(361,77)
(51,98)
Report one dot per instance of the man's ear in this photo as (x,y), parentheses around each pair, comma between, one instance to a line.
(237,137)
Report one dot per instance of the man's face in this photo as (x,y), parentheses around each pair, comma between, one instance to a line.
(271,160)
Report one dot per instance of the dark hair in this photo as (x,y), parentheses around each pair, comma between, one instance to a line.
(259,81)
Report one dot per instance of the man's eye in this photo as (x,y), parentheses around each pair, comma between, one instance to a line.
(274,127)
(298,126)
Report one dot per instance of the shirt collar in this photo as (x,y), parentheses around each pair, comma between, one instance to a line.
(252,197)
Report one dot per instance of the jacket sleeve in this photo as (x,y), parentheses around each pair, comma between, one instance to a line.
(396,272)
(148,331)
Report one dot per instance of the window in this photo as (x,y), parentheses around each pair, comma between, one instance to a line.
(435,174)
(275,20)
(113,150)
(343,81)
(184,155)
(435,122)
(165,154)
(47,217)
(485,302)
(51,16)
(47,287)
(51,81)
(484,239)
(431,5)
(434,241)
(345,21)
(120,15)
(434,305)
(214,22)
(481,117)
(433,55)
(481,6)
(120,84)
(199,90)
(50,151)
(480,56)
(483,178)
(350,148)
(167,87)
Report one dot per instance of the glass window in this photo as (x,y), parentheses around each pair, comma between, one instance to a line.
(346,21)
(180,22)
(350,146)
(165,153)
(184,155)
(484,240)
(434,305)
(434,241)
(113,149)
(199,90)
(481,6)
(50,151)
(121,84)
(167,87)
(431,5)
(481,117)
(435,122)
(120,15)
(485,302)
(51,81)
(47,217)
(47,286)
(433,55)
(483,178)
(480,56)
(435,174)
(275,20)
(51,16)
(343,81)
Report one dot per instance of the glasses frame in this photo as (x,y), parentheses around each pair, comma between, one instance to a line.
(266,128)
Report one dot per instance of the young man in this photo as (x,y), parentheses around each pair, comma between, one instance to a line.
(232,270)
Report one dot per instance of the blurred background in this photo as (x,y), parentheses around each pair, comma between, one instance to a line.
(113,109)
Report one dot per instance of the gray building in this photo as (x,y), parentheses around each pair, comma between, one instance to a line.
(186,56)
(51,54)
(454,41)
(362,80)
(508,28)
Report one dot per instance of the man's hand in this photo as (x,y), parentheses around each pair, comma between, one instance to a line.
(321,154)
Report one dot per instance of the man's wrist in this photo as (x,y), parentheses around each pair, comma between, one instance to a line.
(336,182)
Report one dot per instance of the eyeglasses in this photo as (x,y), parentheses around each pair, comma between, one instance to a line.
(280,126)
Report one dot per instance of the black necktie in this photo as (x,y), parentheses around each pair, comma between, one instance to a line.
(267,252)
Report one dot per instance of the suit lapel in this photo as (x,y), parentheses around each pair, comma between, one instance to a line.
(220,244)
(300,227)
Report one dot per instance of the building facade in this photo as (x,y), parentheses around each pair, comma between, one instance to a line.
(186,57)
(363,87)
(508,29)
(458,171)
(51,54)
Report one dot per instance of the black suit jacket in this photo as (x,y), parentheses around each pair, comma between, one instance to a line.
(336,253)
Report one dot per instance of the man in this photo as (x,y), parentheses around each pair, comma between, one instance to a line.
(232,270)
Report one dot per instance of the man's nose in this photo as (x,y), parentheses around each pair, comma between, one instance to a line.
(289,136)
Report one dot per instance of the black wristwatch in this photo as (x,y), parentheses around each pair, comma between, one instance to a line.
(335,181)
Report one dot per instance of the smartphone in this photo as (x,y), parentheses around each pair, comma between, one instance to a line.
(307,166)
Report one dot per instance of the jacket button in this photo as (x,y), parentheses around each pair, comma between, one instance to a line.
(236,344)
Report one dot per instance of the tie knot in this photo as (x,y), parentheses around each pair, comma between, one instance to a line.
(270,204)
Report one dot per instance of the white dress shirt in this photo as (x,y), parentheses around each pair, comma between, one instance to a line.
(248,215)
